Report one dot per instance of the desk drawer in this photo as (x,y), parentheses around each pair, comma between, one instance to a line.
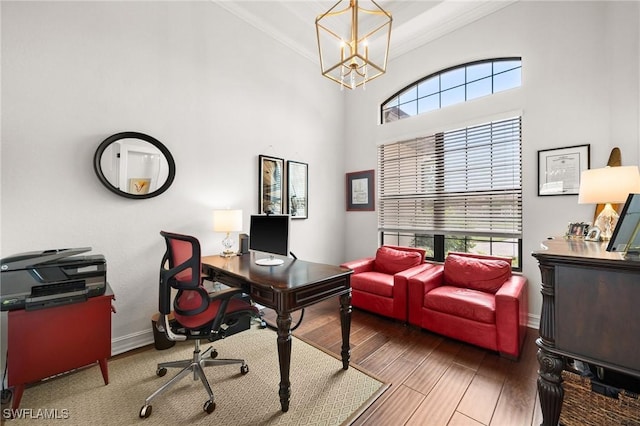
(264,296)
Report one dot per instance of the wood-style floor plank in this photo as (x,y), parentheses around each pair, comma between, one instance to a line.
(434,379)
(440,405)
(397,408)
(481,398)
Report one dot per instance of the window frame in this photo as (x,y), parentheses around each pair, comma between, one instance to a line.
(420,194)
(415,87)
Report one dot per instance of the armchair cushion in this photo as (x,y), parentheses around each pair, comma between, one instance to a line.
(391,261)
(462,302)
(374,283)
(474,273)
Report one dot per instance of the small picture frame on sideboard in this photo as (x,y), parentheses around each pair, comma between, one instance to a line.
(593,234)
(578,230)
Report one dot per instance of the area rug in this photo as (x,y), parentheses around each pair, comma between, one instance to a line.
(322,393)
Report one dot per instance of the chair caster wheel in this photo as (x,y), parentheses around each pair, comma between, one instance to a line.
(209,406)
(214,354)
(161,372)
(145,411)
(244,369)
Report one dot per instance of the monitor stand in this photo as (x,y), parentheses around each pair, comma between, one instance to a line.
(269,261)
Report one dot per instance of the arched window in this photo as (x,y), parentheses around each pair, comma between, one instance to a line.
(453,85)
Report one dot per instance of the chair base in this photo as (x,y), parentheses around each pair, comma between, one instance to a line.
(196,366)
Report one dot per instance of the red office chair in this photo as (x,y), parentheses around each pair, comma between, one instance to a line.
(198,314)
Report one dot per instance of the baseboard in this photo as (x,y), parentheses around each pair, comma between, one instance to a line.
(533,321)
(132,341)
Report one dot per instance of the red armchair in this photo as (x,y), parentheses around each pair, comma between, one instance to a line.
(379,284)
(473,298)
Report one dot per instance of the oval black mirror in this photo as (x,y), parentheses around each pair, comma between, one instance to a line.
(134,165)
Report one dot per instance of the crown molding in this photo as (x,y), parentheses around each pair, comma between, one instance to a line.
(435,22)
(440,20)
(238,9)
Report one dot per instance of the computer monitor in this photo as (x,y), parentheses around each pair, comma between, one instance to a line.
(269,234)
(625,237)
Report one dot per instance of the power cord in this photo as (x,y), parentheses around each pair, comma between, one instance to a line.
(6,394)
(266,324)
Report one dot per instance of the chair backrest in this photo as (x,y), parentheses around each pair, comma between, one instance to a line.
(393,259)
(478,272)
(181,270)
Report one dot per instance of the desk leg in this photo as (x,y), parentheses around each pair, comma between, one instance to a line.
(104,368)
(345,323)
(550,386)
(284,355)
(18,390)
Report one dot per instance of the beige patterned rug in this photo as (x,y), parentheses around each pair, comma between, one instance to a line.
(322,393)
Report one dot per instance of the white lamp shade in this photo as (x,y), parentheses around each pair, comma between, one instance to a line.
(227,220)
(608,185)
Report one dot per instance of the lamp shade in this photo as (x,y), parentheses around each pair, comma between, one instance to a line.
(227,220)
(608,185)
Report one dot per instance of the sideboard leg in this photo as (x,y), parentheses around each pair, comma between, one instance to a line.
(550,386)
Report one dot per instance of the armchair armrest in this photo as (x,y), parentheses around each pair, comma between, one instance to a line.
(360,265)
(419,285)
(511,314)
(401,286)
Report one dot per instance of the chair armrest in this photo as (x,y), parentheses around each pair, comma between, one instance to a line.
(419,285)
(401,289)
(512,288)
(414,270)
(512,314)
(360,265)
(427,280)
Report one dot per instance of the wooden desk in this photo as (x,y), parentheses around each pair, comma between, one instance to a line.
(589,312)
(50,341)
(286,288)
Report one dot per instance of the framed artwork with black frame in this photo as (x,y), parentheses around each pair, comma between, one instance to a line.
(559,169)
(360,191)
(298,189)
(270,190)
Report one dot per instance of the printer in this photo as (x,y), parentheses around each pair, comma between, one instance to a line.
(42,279)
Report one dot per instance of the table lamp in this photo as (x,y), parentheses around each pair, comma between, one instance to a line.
(609,185)
(227,221)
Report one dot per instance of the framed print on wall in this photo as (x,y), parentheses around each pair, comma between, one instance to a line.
(270,176)
(360,191)
(559,169)
(297,189)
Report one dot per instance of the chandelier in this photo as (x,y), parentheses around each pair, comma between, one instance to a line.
(353,42)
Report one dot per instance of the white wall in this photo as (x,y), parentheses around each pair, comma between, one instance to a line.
(580,86)
(212,89)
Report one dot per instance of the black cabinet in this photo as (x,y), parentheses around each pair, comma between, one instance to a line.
(590,312)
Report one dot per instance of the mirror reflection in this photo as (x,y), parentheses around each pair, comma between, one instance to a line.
(134,165)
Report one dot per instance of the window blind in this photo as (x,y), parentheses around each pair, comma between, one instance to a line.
(461,182)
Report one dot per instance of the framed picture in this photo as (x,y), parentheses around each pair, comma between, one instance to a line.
(360,191)
(297,189)
(270,177)
(593,234)
(578,230)
(559,169)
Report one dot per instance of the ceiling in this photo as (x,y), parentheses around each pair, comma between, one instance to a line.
(415,22)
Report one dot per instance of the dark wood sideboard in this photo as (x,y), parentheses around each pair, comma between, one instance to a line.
(590,312)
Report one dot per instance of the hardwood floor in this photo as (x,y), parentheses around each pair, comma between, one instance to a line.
(434,380)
